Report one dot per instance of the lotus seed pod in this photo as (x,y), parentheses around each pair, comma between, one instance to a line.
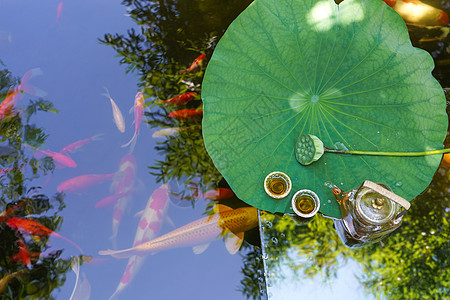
(308,149)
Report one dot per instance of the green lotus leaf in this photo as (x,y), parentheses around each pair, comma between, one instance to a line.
(347,74)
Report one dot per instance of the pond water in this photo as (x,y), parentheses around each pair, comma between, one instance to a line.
(66,164)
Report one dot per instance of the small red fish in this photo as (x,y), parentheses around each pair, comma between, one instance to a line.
(197,62)
(16,94)
(61,160)
(79,183)
(181,99)
(218,194)
(31,227)
(59,12)
(5,214)
(23,255)
(186,113)
(110,200)
(78,144)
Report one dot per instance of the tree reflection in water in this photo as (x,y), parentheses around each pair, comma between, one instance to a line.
(411,263)
(29,267)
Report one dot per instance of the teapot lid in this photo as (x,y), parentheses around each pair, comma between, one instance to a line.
(377,205)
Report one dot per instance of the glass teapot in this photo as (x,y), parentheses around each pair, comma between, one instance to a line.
(368,213)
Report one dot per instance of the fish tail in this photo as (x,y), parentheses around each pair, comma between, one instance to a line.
(132,142)
(67,240)
(126,253)
(97,137)
(106,94)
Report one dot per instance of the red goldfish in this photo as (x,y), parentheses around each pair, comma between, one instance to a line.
(60,159)
(138,114)
(186,113)
(197,62)
(82,182)
(181,99)
(78,144)
(418,13)
(31,227)
(23,255)
(16,94)
(148,228)
(59,12)
(109,200)
(218,194)
(5,214)
(231,223)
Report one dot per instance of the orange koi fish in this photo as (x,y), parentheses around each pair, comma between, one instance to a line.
(27,226)
(117,114)
(186,113)
(418,13)
(181,99)
(197,63)
(7,278)
(79,183)
(78,144)
(148,228)
(227,222)
(138,114)
(446,158)
(218,194)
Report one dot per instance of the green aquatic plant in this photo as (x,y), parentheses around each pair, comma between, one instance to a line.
(347,74)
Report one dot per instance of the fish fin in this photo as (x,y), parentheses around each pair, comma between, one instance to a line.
(126,253)
(97,137)
(169,220)
(132,142)
(222,208)
(200,248)
(233,242)
(139,213)
(75,265)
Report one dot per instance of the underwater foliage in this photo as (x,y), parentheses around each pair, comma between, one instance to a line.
(29,269)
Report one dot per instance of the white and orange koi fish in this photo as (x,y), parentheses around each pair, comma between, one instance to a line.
(227,222)
(148,228)
(197,63)
(117,114)
(123,183)
(165,132)
(138,114)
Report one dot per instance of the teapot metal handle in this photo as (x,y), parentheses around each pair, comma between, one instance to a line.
(388,194)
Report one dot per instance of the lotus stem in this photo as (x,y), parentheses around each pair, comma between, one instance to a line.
(383,153)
